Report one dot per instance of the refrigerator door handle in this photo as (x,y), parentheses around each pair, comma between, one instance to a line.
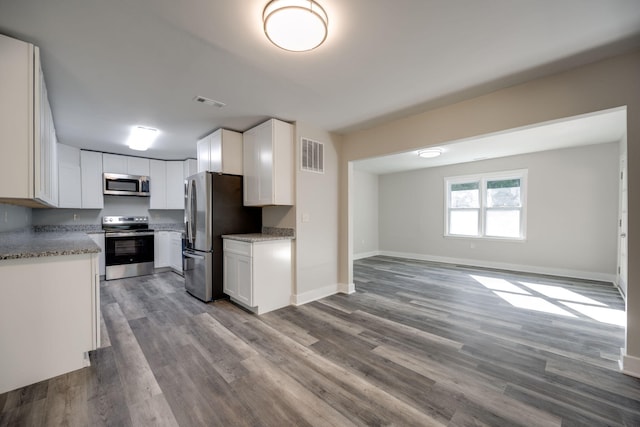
(192,255)
(189,212)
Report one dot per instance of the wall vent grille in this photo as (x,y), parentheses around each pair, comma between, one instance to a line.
(312,156)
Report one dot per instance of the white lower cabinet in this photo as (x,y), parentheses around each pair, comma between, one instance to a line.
(168,250)
(175,251)
(257,275)
(49,317)
(161,249)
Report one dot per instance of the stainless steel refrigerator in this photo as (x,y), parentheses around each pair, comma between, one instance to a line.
(213,207)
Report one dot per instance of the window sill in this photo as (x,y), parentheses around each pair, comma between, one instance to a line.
(488,239)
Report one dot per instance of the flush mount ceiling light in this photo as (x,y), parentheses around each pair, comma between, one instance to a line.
(295,25)
(141,138)
(430,153)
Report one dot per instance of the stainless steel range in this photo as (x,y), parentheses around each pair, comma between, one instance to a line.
(128,246)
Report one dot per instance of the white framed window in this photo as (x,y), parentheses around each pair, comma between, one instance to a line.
(490,205)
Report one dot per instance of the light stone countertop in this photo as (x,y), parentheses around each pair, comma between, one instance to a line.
(32,244)
(255,237)
(268,233)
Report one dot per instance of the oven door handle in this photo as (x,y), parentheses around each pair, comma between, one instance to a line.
(125,234)
(192,255)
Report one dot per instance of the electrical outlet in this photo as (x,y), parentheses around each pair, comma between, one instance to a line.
(75,217)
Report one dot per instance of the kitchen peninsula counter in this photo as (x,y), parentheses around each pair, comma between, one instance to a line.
(31,243)
(268,234)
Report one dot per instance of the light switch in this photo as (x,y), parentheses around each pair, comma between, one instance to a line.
(306,217)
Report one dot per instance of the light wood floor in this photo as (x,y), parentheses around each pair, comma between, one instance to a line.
(418,344)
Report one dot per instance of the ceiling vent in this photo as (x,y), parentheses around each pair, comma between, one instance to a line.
(212,102)
(312,156)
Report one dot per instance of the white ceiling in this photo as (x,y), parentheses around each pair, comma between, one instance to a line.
(596,128)
(110,65)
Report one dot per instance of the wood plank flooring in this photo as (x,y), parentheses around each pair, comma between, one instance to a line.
(418,344)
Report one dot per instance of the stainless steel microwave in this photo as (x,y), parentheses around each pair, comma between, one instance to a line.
(116,184)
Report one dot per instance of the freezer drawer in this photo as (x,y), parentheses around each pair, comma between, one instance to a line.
(198,274)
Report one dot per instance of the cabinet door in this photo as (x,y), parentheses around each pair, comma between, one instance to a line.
(158,184)
(175,185)
(190,167)
(215,151)
(202,152)
(231,152)
(92,181)
(230,274)
(45,145)
(113,163)
(69,177)
(138,166)
(250,165)
(176,251)
(161,249)
(264,146)
(16,118)
(244,279)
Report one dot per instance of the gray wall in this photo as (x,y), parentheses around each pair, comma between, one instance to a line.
(14,217)
(572,210)
(365,215)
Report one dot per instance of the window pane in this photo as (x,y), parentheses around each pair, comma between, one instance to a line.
(465,195)
(503,193)
(503,223)
(464,222)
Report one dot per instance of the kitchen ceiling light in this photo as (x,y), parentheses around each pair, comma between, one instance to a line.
(295,25)
(430,153)
(141,138)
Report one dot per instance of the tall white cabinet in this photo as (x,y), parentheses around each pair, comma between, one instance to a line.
(69,177)
(91,171)
(167,184)
(28,165)
(268,164)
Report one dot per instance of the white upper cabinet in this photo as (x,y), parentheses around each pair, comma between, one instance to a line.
(189,167)
(92,181)
(69,177)
(268,164)
(158,184)
(114,163)
(220,151)
(175,185)
(28,161)
(138,166)
(167,184)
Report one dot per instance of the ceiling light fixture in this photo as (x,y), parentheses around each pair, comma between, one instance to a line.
(141,138)
(430,153)
(295,25)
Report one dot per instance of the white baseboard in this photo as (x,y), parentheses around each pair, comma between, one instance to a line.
(365,254)
(578,274)
(316,294)
(346,288)
(629,365)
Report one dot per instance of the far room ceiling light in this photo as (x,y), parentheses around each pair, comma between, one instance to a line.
(141,138)
(430,153)
(295,25)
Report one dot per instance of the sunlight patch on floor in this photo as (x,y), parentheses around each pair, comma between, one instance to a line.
(601,314)
(560,293)
(499,285)
(530,302)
